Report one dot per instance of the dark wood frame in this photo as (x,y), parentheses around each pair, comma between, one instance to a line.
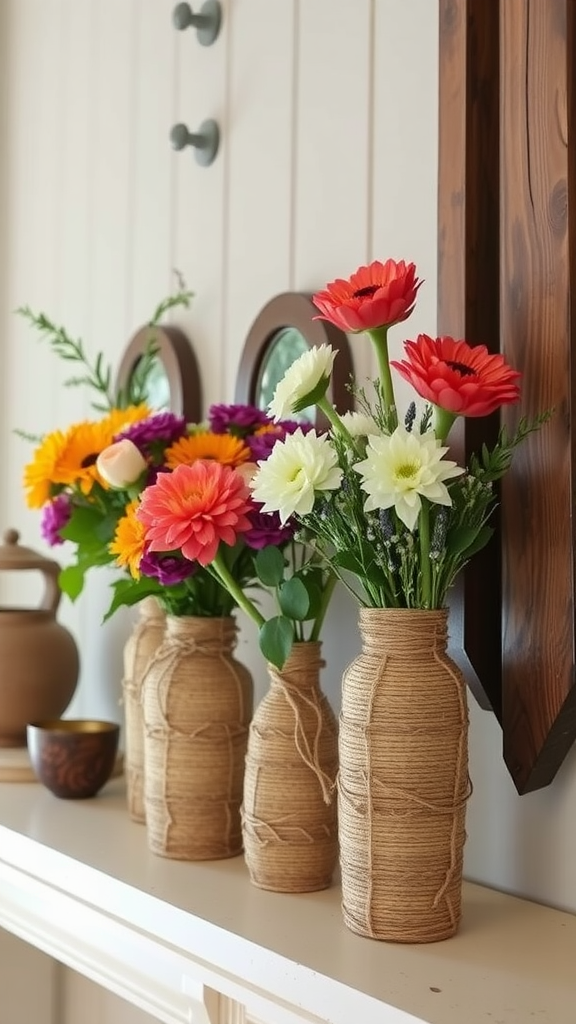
(507,277)
(179,361)
(294,309)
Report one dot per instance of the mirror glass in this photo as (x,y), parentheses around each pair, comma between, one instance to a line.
(286,345)
(158,392)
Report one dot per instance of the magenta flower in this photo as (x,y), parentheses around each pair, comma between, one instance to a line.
(55,515)
(261,444)
(164,427)
(238,420)
(167,569)
(266,528)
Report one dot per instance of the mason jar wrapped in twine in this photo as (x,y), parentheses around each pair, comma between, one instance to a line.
(289,810)
(197,707)
(403,781)
(144,640)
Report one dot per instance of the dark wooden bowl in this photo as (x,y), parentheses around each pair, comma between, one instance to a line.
(73,758)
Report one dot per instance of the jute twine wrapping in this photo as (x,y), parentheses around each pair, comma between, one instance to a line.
(197,708)
(403,780)
(289,810)
(142,643)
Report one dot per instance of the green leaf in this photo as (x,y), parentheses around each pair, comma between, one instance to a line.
(71,581)
(276,638)
(293,599)
(270,565)
(128,592)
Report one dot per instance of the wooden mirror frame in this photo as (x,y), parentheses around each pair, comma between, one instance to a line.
(507,278)
(176,354)
(294,309)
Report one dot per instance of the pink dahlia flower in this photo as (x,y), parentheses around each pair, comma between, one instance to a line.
(194,509)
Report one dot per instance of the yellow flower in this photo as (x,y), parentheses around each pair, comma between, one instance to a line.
(222,448)
(120,419)
(40,473)
(69,459)
(128,543)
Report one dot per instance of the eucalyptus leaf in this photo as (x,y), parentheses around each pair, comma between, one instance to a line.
(293,599)
(276,638)
(270,565)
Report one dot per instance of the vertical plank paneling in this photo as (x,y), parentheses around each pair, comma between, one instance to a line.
(404,177)
(199,209)
(150,274)
(538,337)
(332,140)
(259,142)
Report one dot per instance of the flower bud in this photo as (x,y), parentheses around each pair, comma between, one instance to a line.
(121,463)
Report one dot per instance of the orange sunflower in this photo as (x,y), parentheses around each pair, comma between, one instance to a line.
(128,543)
(222,448)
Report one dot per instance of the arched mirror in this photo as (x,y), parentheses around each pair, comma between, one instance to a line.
(174,382)
(282,331)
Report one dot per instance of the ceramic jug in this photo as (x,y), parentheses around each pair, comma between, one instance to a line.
(39,663)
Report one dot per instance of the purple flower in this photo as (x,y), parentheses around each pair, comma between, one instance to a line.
(163,427)
(267,529)
(55,515)
(261,444)
(238,420)
(167,569)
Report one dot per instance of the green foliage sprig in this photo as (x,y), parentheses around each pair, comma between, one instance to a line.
(98,375)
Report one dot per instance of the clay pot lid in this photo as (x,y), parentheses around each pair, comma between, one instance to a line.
(16,556)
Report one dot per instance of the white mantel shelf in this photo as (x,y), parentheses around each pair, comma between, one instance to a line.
(77,881)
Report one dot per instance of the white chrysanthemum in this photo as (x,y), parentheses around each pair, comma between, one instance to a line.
(300,380)
(401,468)
(358,424)
(294,472)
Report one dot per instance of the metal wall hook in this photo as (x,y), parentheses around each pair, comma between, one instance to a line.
(207,23)
(205,141)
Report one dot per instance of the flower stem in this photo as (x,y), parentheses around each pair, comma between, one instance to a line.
(379,338)
(326,595)
(219,568)
(443,421)
(424,535)
(335,421)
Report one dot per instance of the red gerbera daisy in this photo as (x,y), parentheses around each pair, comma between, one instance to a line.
(195,508)
(466,380)
(378,295)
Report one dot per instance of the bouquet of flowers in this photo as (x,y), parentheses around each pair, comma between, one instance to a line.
(63,477)
(195,537)
(376,496)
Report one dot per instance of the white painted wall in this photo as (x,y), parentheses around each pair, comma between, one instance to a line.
(329,152)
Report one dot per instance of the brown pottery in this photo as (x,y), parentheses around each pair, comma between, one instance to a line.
(39,662)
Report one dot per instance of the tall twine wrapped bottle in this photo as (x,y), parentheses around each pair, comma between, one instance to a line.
(142,643)
(403,781)
(289,810)
(197,707)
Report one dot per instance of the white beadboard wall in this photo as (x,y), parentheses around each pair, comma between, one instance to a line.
(328,114)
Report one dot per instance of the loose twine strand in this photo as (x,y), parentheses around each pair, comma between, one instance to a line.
(289,814)
(403,781)
(197,702)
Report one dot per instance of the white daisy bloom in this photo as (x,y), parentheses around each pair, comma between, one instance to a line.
(402,468)
(302,378)
(294,472)
(358,424)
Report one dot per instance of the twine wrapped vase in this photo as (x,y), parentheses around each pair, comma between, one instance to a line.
(403,781)
(289,811)
(197,702)
(142,643)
